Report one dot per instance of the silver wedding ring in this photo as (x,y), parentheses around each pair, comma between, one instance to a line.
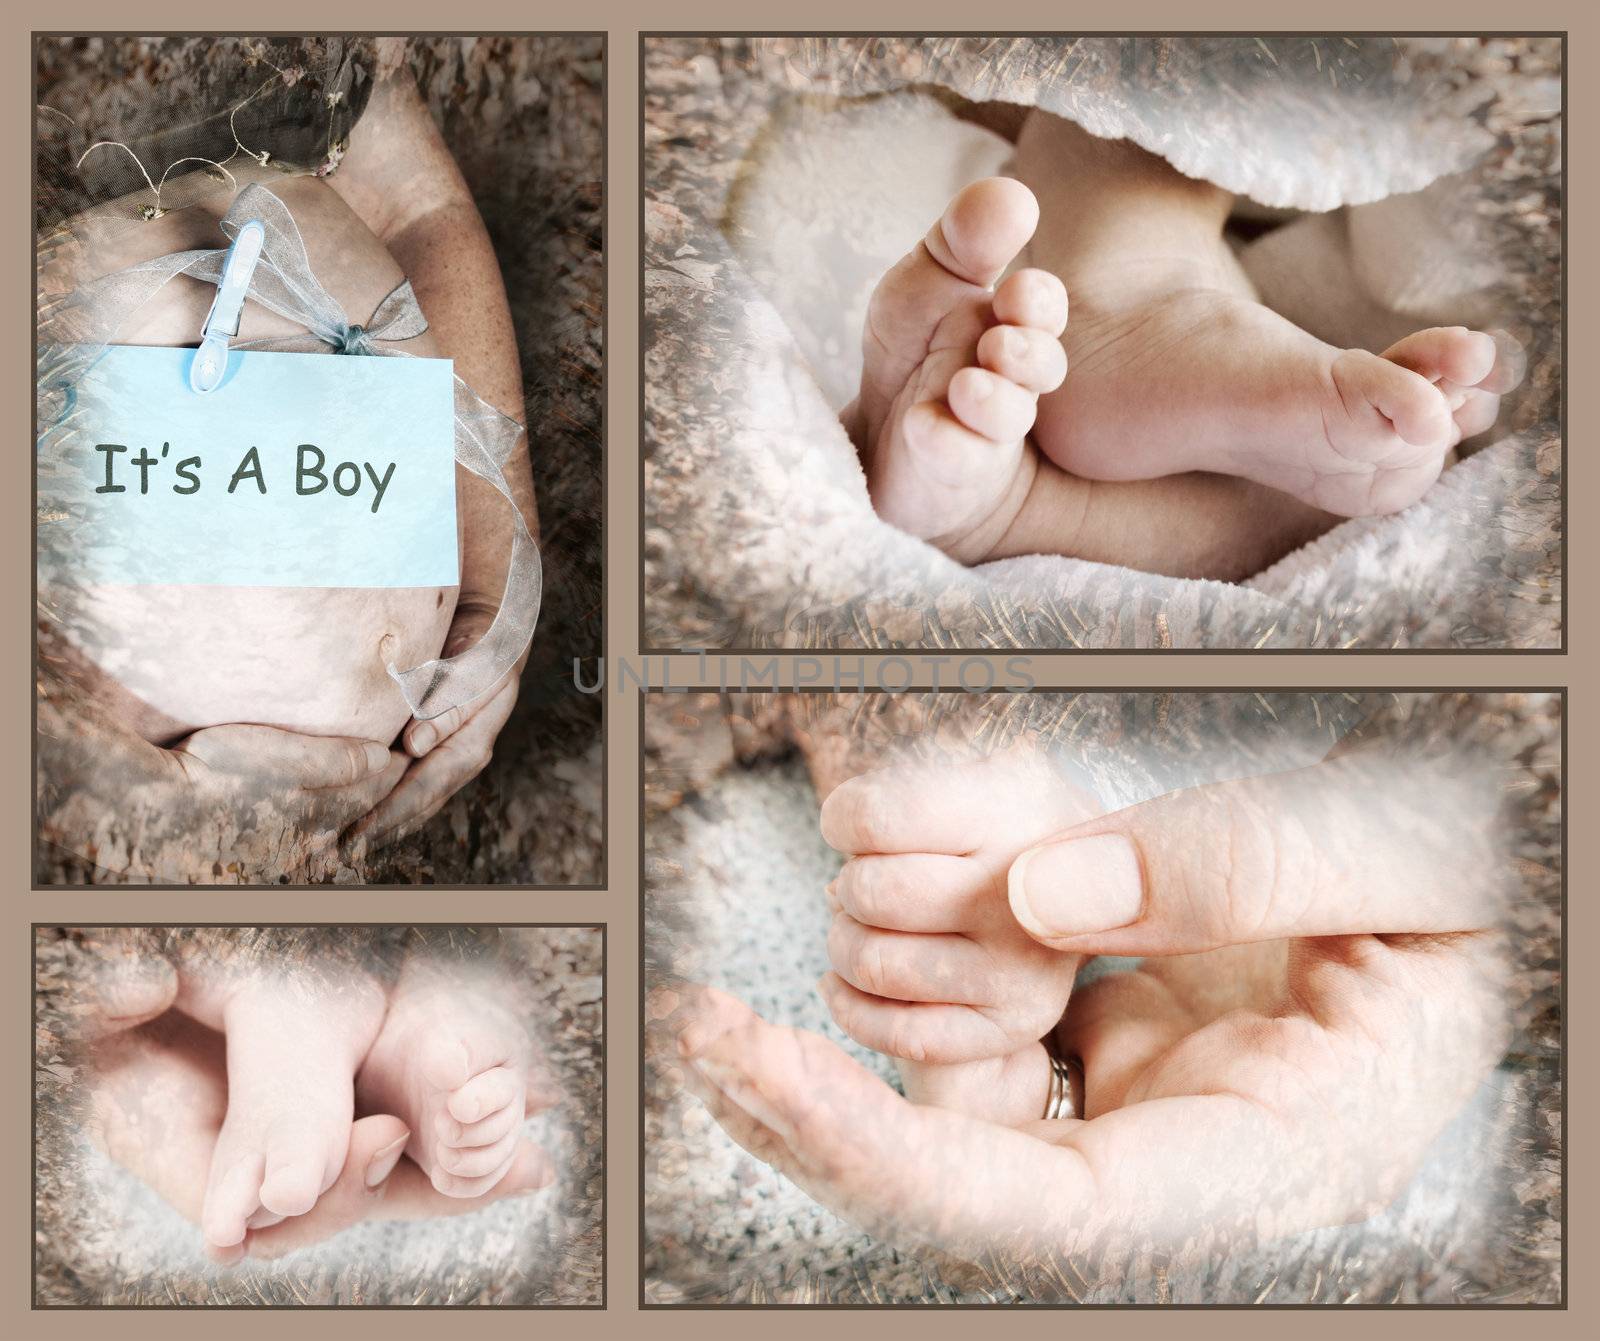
(1058,1103)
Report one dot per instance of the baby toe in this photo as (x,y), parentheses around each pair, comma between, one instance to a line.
(1415,408)
(944,451)
(1465,356)
(1033,298)
(294,1179)
(1510,365)
(303,1157)
(264,1219)
(231,1200)
(486,1131)
(1033,360)
(455,1185)
(991,406)
(1446,353)
(484,1094)
(1477,412)
(479,1161)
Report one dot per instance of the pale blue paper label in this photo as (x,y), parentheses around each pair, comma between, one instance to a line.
(299,470)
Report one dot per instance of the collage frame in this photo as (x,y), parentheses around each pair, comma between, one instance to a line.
(625,663)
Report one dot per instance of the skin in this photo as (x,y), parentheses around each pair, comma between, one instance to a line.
(456,1064)
(226,803)
(1318,953)
(398,181)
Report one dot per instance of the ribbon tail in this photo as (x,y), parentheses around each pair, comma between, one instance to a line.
(485,439)
(398,316)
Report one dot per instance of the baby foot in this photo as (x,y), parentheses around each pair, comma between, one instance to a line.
(293,1044)
(455,1064)
(954,371)
(1202,379)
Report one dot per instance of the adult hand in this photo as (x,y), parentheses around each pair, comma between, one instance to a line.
(1321,1000)
(276,800)
(446,752)
(239,802)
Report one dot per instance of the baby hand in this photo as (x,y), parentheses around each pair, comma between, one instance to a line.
(929,964)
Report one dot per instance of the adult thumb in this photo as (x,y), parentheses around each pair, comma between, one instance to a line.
(1351,846)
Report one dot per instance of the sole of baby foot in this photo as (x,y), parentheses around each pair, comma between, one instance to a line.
(953,369)
(1203,380)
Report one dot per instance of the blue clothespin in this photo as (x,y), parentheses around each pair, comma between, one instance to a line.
(222,321)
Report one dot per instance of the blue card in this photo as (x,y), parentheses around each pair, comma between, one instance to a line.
(299,470)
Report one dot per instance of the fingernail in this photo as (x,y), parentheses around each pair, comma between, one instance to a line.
(423,738)
(377,757)
(381,1165)
(981,386)
(1077,886)
(831,889)
(353,850)
(1012,342)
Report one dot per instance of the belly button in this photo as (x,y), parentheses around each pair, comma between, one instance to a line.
(388,645)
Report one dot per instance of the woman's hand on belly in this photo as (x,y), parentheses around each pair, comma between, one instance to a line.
(447,751)
(228,803)
(272,790)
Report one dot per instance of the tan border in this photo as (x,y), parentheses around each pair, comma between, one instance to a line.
(624,19)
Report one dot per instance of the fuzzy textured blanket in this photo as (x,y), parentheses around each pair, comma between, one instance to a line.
(784,176)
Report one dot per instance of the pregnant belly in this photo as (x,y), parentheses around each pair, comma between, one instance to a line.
(171,660)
